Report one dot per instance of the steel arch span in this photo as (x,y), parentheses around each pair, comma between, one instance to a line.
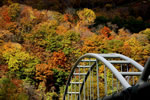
(94,76)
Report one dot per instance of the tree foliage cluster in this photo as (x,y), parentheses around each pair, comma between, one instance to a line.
(40,47)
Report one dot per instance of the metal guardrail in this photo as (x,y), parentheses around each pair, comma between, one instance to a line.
(136,92)
(77,85)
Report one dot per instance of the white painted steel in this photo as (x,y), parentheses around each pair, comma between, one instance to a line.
(108,64)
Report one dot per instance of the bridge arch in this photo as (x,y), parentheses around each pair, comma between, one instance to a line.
(77,77)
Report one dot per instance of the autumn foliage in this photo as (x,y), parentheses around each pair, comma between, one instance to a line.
(40,47)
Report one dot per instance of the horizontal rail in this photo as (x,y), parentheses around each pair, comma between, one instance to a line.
(131,73)
(76,82)
(83,66)
(73,92)
(112,55)
(79,73)
(88,60)
(119,62)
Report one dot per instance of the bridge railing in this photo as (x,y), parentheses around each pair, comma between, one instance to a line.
(97,75)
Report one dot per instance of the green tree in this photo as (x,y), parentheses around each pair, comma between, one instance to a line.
(21,64)
(146,32)
(9,91)
(60,78)
(54,42)
(41,32)
(70,42)
(114,45)
(14,11)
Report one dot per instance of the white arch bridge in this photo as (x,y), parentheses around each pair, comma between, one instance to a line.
(97,75)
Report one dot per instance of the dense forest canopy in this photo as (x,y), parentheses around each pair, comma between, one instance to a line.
(131,14)
(40,43)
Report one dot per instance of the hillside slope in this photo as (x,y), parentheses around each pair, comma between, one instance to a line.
(39,47)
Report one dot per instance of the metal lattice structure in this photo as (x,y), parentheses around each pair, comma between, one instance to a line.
(97,75)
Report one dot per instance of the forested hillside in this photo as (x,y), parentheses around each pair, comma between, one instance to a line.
(39,47)
(131,14)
